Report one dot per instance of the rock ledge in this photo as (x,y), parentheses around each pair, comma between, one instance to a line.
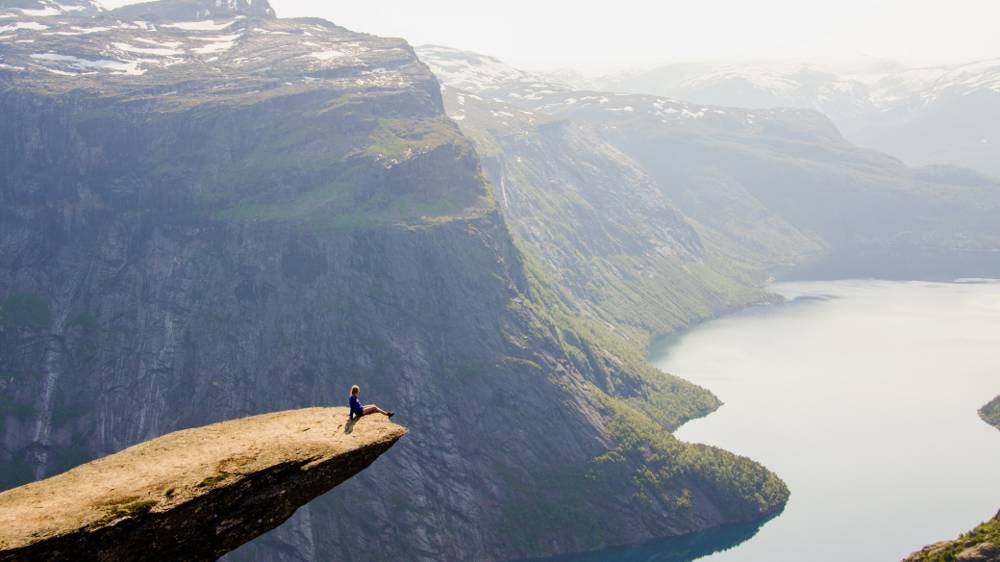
(193,494)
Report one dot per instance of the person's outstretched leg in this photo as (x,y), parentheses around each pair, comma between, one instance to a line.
(372,408)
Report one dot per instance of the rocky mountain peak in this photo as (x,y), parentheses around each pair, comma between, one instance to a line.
(44,8)
(195,9)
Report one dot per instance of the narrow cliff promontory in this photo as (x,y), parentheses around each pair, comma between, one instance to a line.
(193,494)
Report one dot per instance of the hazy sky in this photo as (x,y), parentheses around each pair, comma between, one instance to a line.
(605,36)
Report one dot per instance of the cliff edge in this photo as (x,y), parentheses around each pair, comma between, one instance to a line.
(193,494)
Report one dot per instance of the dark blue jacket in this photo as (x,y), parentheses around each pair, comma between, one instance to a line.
(356,409)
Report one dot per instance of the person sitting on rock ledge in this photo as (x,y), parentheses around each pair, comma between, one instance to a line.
(357,410)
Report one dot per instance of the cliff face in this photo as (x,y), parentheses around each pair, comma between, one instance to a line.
(602,229)
(190,495)
(204,220)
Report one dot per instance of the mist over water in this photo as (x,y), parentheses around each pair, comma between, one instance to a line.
(862,396)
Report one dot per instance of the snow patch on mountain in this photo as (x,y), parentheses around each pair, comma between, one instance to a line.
(119,67)
(328,54)
(216,44)
(35,26)
(162,52)
(473,72)
(205,25)
(776,85)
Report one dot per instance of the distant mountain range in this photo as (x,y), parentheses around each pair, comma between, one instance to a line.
(779,183)
(947,114)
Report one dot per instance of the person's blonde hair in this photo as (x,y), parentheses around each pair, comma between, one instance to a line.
(355,390)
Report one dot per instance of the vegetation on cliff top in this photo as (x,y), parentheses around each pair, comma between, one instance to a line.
(372,182)
(671,482)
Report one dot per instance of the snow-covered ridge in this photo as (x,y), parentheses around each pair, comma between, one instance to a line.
(932,82)
(945,114)
(98,45)
(827,88)
(101,46)
(478,73)
(508,93)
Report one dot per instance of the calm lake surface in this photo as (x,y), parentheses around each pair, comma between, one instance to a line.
(862,396)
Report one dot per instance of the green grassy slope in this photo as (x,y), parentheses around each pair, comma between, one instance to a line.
(604,235)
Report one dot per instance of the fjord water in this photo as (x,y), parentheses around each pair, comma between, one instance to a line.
(862,396)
